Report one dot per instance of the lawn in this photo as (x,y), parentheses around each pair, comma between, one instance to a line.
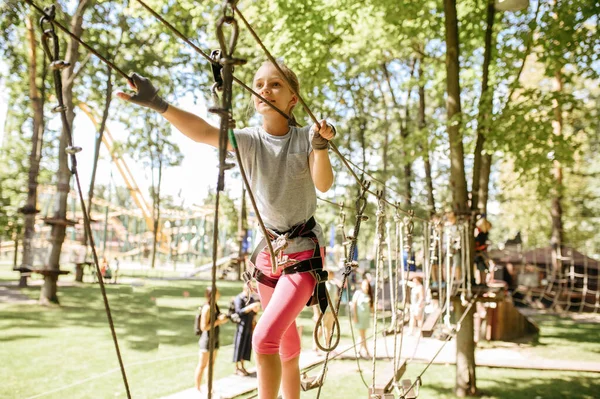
(67,351)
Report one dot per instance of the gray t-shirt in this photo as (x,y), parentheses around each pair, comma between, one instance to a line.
(279,175)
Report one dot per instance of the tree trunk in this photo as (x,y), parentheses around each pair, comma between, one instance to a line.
(156,191)
(49,289)
(465,347)
(557,191)
(458,182)
(465,354)
(422,124)
(485,108)
(98,143)
(484,182)
(37,104)
(404,133)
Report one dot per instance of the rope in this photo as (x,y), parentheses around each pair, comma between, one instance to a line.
(399,261)
(302,102)
(76,38)
(341,205)
(49,35)
(274,107)
(361,204)
(454,330)
(276,65)
(379,228)
(409,224)
(346,286)
(206,56)
(376,180)
(225,132)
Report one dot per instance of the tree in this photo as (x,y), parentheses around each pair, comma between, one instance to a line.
(63,175)
(36,97)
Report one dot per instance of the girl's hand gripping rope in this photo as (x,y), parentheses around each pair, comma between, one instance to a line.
(321,137)
(146,94)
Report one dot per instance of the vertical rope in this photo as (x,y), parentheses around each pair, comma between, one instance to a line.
(391,275)
(449,278)
(399,263)
(378,265)
(426,256)
(440,263)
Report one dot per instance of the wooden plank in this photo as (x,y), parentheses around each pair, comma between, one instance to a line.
(384,380)
(430,322)
(409,393)
(380,393)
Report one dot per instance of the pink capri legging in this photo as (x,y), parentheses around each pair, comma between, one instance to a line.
(276,330)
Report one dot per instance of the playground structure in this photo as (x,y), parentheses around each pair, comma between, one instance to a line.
(569,283)
(122,233)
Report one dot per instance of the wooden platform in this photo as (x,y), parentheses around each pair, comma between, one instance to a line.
(430,322)
(234,385)
(423,349)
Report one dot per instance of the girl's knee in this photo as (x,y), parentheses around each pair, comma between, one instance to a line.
(262,342)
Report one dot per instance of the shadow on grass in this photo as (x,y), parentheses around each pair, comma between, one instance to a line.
(140,323)
(573,386)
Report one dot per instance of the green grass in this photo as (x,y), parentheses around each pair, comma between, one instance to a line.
(44,349)
(67,351)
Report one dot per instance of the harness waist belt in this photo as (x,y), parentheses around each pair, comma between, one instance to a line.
(314,265)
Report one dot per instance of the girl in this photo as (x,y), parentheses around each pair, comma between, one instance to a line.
(361,307)
(417,304)
(284,164)
(208,329)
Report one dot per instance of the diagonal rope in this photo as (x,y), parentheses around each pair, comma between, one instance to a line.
(453,332)
(84,44)
(178,33)
(376,179)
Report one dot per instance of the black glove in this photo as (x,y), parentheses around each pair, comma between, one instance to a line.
(318,142)
(146,94)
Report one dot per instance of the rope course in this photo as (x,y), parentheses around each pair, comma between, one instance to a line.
(457,238)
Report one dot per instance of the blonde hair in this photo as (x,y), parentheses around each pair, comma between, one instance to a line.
(292,79)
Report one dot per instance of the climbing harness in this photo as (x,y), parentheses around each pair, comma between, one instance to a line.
(313,265)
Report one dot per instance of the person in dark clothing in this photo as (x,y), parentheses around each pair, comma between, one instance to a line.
(482,230)
(207,329)
(246,306)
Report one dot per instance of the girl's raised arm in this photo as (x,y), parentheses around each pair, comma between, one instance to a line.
(187,123)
